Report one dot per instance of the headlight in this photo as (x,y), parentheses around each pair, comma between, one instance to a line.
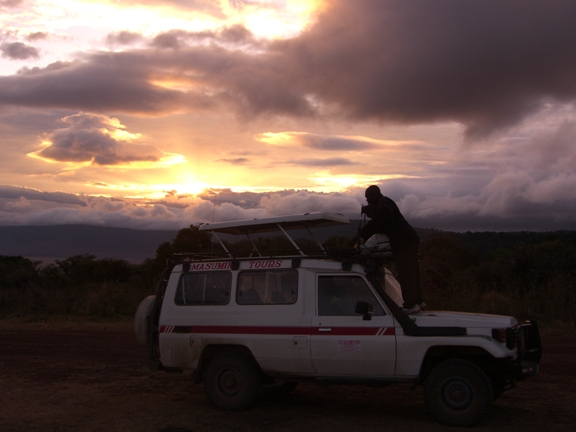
(505,336)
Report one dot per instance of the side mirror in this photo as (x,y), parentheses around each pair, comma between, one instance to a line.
(364,308)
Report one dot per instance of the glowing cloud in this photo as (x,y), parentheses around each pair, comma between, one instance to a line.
(93,139)
(324,142)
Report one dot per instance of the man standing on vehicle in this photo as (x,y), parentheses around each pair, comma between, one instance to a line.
(386,219)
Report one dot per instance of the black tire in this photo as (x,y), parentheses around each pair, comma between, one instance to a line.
(458,392)
(232,381)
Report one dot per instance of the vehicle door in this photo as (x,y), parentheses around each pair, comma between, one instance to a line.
(343,342)
(273,325)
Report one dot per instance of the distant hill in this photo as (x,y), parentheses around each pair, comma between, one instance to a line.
(47,243)
(487,241)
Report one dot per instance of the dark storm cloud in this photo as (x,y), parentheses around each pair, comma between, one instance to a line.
(229,205)
(18,51)
(236,34)
(176,39)
(246,200)
(37,36)
(23,124)
(125,81)
(553,150)
(245,153)
(123,38)
(319,142)
(173,39)
(235,161)
(10,3)
(322,162)
(484,63)
(14,192)
(105,82)
(91,138)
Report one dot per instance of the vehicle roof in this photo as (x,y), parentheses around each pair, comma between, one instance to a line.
(288,222)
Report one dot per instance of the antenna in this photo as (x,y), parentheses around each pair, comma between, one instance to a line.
(214,207)
(213,213)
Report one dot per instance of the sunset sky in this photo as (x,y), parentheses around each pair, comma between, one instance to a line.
(159,114)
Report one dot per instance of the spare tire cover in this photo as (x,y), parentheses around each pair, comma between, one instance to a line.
(141,319)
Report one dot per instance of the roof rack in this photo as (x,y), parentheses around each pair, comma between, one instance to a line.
(250,227)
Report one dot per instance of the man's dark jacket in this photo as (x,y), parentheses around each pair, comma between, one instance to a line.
(387,219)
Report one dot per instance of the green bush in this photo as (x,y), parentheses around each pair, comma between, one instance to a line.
(523,275)
(80,286)
(527,279)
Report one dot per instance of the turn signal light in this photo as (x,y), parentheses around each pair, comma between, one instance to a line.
(499,334)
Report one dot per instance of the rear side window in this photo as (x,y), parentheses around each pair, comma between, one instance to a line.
(338,295)
(267,287)
(209,288)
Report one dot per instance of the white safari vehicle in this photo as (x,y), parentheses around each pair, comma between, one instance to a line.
(267,322)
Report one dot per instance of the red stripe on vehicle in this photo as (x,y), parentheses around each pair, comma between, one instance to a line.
(250,330)
(353,331)
(259,330)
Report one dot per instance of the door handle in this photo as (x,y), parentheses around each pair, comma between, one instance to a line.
(324,329)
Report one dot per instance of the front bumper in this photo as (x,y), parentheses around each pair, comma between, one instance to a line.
(529,350)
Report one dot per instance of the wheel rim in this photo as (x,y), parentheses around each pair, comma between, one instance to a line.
(457,394)
(229,382)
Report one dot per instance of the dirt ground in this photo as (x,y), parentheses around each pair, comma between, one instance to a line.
(93,377)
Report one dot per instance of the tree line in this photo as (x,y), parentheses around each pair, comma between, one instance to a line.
(521,274)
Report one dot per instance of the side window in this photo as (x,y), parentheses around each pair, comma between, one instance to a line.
(338,295)
(267,287)
(209,288)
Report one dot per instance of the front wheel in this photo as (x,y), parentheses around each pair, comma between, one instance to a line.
(458,392)
(232,381)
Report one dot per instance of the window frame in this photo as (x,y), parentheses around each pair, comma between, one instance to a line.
(264,296)
(227,289)
(379,310)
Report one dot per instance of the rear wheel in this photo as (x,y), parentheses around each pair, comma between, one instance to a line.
(458,392)
(232,381)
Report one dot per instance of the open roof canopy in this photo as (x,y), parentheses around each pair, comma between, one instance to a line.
(281,223)
(289,222)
